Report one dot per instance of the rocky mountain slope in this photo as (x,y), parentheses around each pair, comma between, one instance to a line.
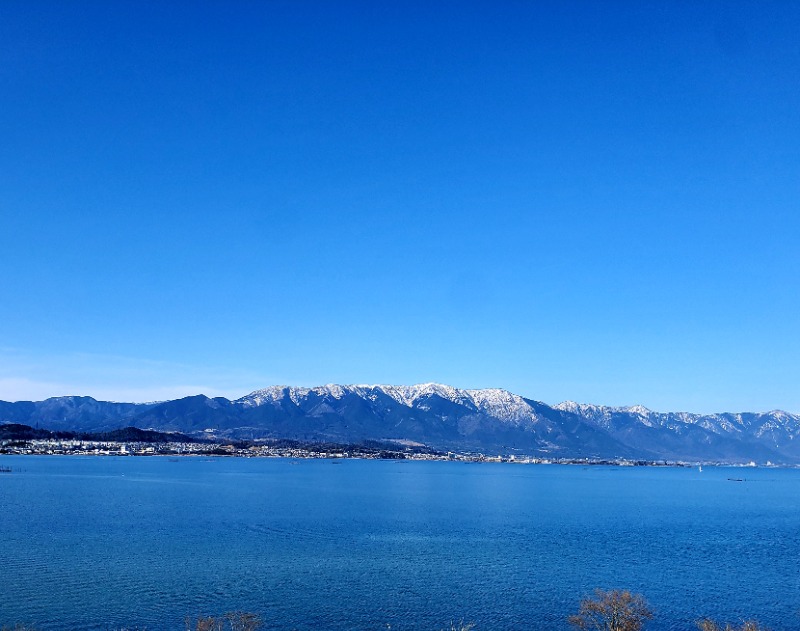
(442,417)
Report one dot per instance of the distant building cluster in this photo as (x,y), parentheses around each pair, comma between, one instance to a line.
(55,446)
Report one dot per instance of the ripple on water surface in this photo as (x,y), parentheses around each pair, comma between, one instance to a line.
(99,543)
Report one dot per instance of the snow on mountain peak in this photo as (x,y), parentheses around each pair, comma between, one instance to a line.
(296,394)
(260,397)
(636,409)
(579,408)
(598,413)
(782,415)
(496,402)
(502,404)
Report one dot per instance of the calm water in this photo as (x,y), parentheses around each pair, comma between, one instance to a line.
(103,542)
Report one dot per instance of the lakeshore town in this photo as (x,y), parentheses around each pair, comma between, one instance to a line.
(56,446)
(257,450)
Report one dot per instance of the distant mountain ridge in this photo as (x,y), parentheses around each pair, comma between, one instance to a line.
(488,420)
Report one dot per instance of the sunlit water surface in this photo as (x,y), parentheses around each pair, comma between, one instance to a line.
(102,543)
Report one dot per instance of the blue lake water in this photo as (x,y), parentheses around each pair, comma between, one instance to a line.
(101,543)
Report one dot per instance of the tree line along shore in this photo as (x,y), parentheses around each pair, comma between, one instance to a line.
(17,439)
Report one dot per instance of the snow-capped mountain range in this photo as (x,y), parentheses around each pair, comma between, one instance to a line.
(493,401)
(442,417)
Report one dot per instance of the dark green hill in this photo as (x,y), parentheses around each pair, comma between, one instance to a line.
(17,431)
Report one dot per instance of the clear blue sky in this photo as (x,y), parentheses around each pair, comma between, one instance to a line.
(594,201)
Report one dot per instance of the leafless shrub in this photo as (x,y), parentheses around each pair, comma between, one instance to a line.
(615,610)
(231,621)
(243,621)
(203,623)
(747,625)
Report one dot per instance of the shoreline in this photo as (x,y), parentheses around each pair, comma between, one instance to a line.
(216,450)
